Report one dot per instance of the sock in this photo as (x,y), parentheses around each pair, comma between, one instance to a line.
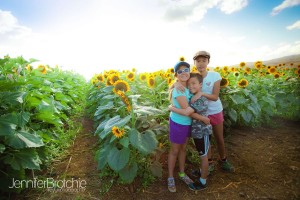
(203,181)
(181,174)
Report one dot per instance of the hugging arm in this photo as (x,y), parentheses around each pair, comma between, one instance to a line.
(189,111)
(213,97)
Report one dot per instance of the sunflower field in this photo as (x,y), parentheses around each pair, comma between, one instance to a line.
(131,115)
(40,108)
(37,112)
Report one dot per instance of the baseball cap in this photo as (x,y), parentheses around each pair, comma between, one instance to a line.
(202,54)
(181,63)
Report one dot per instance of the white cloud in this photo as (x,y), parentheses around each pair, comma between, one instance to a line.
(195,10)
(230,6)
(285,4)
(295,25)
(10,29)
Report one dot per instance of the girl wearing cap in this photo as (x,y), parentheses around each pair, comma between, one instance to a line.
(180,128)
(211,90)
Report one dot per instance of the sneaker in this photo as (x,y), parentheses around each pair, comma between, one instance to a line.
(188,181)
(200,186)
(171,185)
(226,166)
(196,173)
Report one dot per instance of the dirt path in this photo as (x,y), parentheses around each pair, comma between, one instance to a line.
(267,162)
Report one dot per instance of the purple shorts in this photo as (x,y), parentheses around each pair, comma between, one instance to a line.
(179,133)
(216,119)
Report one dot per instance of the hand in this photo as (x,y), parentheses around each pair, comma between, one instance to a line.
(196,96)
(206,120)
(179,87)
(170,107)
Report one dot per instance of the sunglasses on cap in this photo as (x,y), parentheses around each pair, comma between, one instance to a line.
(186,70)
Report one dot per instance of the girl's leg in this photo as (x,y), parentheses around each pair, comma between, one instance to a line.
(172,157)
(182,157)
(219,137)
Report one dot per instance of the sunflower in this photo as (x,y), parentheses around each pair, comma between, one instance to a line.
(291,64)
(224,82)
(248,70)
(181,58)
(297,71)
(170,81)
(225,69)
(124,99)
(100,77)
(232,69)
(143,77)
(236,74)
(29,67)
(242,64)
(133,70)
(272,70)
(151,82)
(42,69)
(130,76)
(194,69)
(276,75)
(121,85)
(114,78)
(118,133)
(108,82)
(258,65)
(243,83)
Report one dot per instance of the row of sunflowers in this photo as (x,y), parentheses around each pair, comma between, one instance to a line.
(37,109)
(131,115)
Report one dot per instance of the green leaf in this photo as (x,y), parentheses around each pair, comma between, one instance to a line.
(238,99)
(24,159)
(61,97)
(254,111)
(156,169)
(23,118)
(12,97)
(33,101)
(118,159)
(129,172)
(2,148)
(49,117)
(232,114)
(102,156)
(147,110)
(115,121)
(253,98)
(8,124)
(21,139)
(247,116)
(125,142)
(145,143)
(269,100)
(102,109)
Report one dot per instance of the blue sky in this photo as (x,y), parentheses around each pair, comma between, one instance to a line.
(89,36)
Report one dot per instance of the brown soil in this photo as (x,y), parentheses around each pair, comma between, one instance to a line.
(266,159)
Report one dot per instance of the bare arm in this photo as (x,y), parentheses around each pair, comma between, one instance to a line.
(186,112)
(198,117)
(190,112)
(213,97)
